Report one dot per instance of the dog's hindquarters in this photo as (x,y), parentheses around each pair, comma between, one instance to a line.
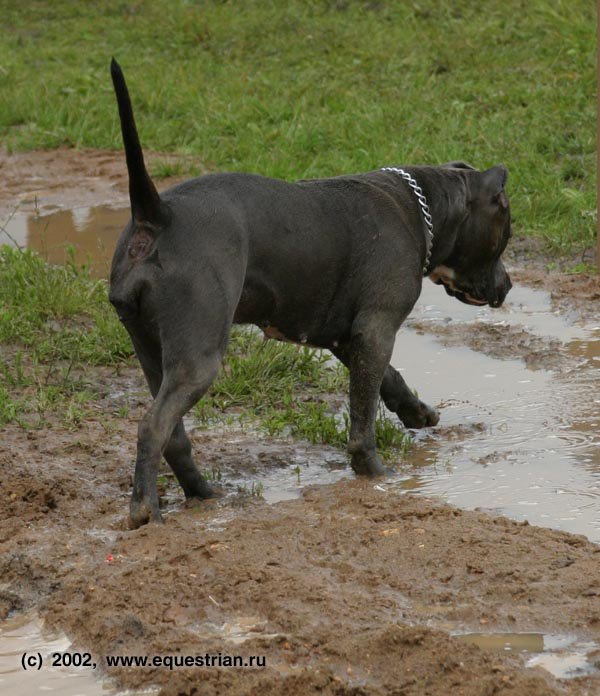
(182,303)
(180,335)
(177,304)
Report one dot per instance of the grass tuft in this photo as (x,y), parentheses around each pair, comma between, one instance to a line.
(288,390)
(58,312)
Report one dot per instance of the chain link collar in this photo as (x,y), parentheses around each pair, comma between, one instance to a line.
(418,191)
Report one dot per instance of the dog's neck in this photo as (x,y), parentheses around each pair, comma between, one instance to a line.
(447,195)
(425,211)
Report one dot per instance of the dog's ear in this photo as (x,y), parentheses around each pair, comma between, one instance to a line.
(146,206)
(494,181)
(458,165)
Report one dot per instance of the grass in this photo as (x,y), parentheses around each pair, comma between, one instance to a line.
(285,389)
(312,88)
(59,313)
(57,320)
(260,374)
(31,391)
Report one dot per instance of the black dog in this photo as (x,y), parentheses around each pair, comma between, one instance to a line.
(333,263)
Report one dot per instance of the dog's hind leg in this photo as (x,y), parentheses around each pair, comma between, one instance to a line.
(399,399)
(178,451)
(190,357)
(178,454)
(177,394)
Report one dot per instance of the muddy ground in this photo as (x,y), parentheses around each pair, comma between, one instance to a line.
(350,589)
(66,178)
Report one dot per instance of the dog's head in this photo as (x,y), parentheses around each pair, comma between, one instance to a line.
(474,272)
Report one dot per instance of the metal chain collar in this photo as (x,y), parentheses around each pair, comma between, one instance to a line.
(424,209)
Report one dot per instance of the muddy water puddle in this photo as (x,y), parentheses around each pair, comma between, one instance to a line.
(512,439)
(287,483)
(85,235)
(25,633)
(563,655)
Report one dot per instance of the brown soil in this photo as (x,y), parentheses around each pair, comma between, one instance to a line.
(350,590)
(573,293)
(343,591)
(67,178)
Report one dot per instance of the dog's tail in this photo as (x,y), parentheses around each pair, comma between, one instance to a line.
(145,201)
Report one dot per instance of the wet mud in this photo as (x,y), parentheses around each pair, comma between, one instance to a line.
(344,586)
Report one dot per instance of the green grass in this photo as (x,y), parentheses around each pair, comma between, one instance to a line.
(313,88)
(259,374)
(285,389)
(58,312)
(57,320)
(31,391)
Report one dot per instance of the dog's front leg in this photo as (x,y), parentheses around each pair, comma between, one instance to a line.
(399,399)
(367,356)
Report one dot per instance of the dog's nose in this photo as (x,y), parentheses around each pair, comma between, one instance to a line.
(501,292)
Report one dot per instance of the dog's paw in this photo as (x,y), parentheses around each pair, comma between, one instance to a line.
(141,512)
(422,416)
(368,464)
(200,489)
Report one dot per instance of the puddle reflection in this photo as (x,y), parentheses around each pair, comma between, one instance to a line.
(90,232)
(562,655)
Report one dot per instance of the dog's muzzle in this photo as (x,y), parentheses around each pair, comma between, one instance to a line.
(461,295)
(492,291)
